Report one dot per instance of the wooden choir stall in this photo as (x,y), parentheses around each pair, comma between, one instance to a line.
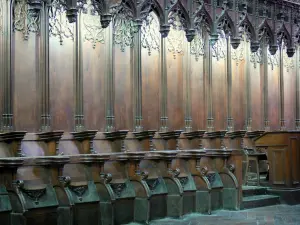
(120,111)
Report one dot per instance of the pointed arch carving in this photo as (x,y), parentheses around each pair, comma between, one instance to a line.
(283,35)
(246,27)
(265,31)
(225,23)
(148,6)
(202,19)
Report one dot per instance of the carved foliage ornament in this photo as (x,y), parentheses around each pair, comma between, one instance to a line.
(256,57)
(238,54)
(288,62)
(176,37)
(219,48)
(92,29)
(23,20)
(59,25)
(197,46)
(124,27)
(150,33)
(273,60)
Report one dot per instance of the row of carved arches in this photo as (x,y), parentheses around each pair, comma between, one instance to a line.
(176,13)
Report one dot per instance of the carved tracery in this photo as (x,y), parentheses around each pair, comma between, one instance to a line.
(197,45)
(176,37)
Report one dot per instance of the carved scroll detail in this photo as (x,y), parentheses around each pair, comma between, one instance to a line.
(23,20)
(59,25)
(150,33)
(92,28)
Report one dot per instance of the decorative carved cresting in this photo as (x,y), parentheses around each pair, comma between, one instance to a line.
(24,19)
(59,25)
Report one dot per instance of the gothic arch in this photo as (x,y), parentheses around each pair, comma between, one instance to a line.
(155,7)
(202,17)
(178,8)
(247,27)
(283,35)
(225,23)
(264,30)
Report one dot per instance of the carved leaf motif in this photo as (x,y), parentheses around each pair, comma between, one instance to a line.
(256,57)
(211,177)
(59,25)
(197,46)
(23,21)
(176,38)
(273,60)
(150,33)
(124,27)
(183,180)
(92,28)
(238,53)
(219,49)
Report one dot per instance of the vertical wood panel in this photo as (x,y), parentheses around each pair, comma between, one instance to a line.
(61,84)
(175,91)
(123,89)
(25,98)
(256,93)
(94,86)
(273,97)
(198,94)
(150,89)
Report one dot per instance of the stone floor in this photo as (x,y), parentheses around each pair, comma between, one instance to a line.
(275,215)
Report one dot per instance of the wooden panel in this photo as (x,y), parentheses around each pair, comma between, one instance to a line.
(94,86)
(198,94)
(175,91)
(273,97)
(277,166)
(294,147)
(238,92)
(219,93)
(256,93)
(289,78)
(61,84)
(26,94)
(123,89)
(150,89)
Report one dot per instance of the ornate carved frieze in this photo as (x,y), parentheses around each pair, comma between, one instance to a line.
(59,25)
(197,46)
(92,28)
(23,19)
(150,33)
